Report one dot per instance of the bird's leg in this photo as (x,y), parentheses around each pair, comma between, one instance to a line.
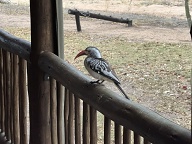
(101,82)
(93,82)
(97,82)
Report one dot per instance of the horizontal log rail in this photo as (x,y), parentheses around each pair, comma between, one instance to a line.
(15,45)
(78,13)
(129,114)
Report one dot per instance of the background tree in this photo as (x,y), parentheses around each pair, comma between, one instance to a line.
(188,16)
(188,13)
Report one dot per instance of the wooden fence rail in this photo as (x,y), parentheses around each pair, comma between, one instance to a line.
(141,120)
(15,45)
(97,16)
(77,109)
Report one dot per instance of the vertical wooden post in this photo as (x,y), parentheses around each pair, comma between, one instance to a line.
(117,134)
(53,104)
(145,141)
(77,121)
(93,126)
(66,115)
(23,100)
(1,95)
(43,38)
(12,96)
(126,136)
(191,32)
(16,127)
(136,138)
(71,118)
(2,121)
(8,95)
(78,24)
(86,123)
(107,130)
(60,102)
(129,23)
(4,92)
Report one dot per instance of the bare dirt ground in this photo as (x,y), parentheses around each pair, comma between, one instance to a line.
(162,23)
(159,21)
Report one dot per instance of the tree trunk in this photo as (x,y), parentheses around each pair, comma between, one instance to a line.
(188,13)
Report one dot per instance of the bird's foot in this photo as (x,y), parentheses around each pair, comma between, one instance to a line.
(97,82)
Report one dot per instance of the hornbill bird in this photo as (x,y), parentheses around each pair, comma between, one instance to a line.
(99,68)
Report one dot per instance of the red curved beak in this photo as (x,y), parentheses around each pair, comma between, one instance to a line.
(80,54)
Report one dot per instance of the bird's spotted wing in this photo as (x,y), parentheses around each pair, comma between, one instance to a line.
(102,67)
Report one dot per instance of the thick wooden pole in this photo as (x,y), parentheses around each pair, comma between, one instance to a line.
(43,38)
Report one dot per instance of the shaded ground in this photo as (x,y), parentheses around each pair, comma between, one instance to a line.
(153,25)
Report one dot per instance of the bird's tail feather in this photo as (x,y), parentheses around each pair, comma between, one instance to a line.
(121,90)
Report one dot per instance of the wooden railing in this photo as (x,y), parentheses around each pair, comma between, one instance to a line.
(13,88)
(80,112)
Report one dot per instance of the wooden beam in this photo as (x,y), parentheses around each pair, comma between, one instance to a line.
(78,13)
(15,45)
(43,38)
(133,116)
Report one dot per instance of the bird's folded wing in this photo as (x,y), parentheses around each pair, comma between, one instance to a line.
(102,67)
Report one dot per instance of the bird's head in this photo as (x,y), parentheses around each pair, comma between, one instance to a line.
(90,52)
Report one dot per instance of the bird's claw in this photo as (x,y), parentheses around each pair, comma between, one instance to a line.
(97,82)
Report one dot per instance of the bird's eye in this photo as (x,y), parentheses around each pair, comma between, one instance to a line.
(88,51)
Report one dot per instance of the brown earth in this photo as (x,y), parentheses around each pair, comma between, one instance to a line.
(161,23)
